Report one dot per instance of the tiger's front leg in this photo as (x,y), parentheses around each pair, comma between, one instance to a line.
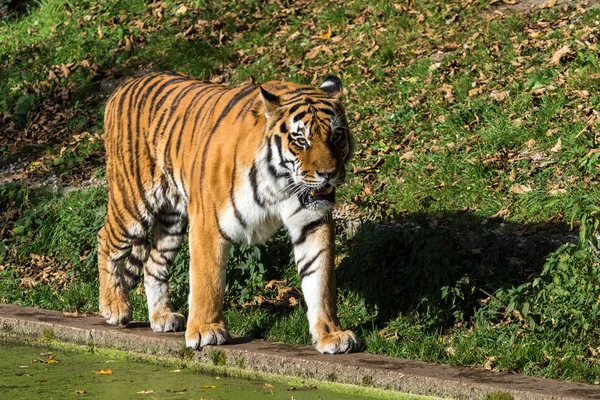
(208,250)
(314,245)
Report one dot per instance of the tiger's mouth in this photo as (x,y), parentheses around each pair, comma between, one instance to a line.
(325,194)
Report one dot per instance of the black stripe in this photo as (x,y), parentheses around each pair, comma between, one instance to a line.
(135,262)
(326,111)
(236,211)
(160,278)
(270,167)
(302,270)
(309,229)
(169,249)
(160,90)
(161,262)
(221,231)
(283,162)
(243,93)
(307,273)
(295,107)
(120,258)
(185,117)
(254,185)
(244,110)
(299,116)
(283,127)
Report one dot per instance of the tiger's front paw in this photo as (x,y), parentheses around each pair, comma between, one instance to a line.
(200,335)
(167,321)
(115,307)
(338,342)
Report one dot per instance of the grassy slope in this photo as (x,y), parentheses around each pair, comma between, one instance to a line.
(464,122)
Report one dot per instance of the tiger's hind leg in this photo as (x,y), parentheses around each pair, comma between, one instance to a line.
(116,243)
(167,234)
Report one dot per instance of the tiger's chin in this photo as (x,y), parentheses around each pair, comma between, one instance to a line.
(319,198)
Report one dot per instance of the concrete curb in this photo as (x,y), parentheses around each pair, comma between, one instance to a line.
(301,361)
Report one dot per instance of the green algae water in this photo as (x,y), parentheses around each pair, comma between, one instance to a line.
(31,372)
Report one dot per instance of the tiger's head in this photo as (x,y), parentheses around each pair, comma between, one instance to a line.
(310,139)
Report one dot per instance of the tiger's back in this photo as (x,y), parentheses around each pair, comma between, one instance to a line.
(232,164)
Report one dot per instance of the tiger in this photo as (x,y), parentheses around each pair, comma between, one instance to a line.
(224,165)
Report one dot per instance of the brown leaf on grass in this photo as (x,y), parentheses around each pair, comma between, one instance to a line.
(80,391)
(530,143)
(560,54)
(505,212)
(408,156)
(548,4)
(592,152)
(148,391)
(520,189)
(106,371)
(557,147)
(181,10)
(499,96)
(489,363)
(327,34)
(476,91)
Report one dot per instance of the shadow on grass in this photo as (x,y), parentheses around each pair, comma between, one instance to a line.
(443,269)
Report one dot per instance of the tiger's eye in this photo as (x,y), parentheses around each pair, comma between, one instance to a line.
(337,136)
(301,142)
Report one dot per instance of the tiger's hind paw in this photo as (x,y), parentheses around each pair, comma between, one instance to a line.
(338,342)
(200,335)
(167,321)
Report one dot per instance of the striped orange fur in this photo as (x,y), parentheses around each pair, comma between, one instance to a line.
(226,165)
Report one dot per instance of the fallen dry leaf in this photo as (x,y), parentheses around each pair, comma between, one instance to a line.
(409,155)
(106,371)
(548,4)
(489,364)
(80,391)
(560,54)
(520,189)
(557,147)
(499,96)
(326,35)
(145,391)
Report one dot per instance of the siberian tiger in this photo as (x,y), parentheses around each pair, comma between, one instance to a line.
(227,165)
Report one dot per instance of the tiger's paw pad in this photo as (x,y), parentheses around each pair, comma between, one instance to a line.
(338,342)
(167,321)
(200,335)
(116,312)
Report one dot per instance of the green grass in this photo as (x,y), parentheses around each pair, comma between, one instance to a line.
(465,256)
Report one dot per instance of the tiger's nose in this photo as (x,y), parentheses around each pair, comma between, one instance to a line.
(328,174)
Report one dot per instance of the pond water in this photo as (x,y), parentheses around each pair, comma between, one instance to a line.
(28,372)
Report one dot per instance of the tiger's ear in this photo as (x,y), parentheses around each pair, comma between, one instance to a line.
(332,85)
(270,101)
